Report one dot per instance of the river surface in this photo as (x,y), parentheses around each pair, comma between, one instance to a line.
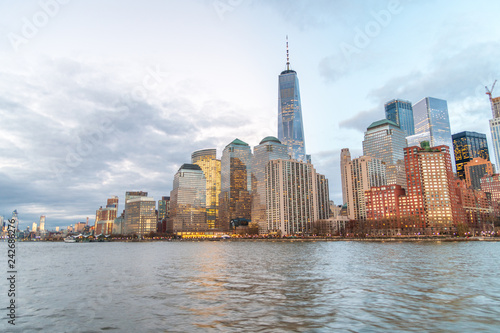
(257,286)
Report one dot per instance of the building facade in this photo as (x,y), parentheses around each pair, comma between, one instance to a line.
(292,197)
(491,184)
(140,216)
(432,122)
(431,187)
(290,125)
(188,210)
(362,173)
(105,217)
(269,148)
(401,112)
(495,137)
(345,157)
(475,170)
(467,146)
(211,166)
(386,141)
(236,184)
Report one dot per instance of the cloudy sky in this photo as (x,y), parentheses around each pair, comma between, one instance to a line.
(102,97)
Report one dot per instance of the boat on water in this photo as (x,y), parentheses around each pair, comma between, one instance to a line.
(70,239)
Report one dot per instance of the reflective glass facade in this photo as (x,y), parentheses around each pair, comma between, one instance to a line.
(431,116)
(401,112)
(187,200)
(141,215)
(467,146)
(236,183)
(270,148)
(206,160)
(386,141)
(290,127)
(495,137)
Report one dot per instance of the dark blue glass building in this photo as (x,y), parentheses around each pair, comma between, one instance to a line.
(401,112)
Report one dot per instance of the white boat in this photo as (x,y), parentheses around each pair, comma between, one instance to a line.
(70,239)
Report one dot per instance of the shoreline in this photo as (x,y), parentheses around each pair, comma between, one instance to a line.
(291,240)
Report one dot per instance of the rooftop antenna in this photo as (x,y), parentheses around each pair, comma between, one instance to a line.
(287,56)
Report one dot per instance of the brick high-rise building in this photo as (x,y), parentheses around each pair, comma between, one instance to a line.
(475,170)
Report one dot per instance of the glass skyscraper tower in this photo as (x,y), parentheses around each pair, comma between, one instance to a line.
(467,146)
(386,141)
(432,123)
(290,127)
(401,112)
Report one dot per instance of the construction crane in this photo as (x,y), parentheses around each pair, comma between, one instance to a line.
(490,91)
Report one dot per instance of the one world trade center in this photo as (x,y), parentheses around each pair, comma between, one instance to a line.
(290,127)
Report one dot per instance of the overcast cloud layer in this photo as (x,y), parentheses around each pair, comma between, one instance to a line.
(101,98)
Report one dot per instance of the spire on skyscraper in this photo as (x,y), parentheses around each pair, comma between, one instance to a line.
(287,55)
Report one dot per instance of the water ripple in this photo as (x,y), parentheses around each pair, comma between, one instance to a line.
(259,287)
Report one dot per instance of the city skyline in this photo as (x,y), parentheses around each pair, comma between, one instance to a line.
(92,111)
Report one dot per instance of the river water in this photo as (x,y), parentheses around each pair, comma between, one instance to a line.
(256,286)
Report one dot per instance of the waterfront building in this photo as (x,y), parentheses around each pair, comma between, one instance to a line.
(188,210)
(323,196)
(163,208)
(290,125)
(432,123)
(430,187)
(236,183)
(42,223)
(211,166)
(495,137)
(386,141)
(362,173)
(491,184)
(475,170)
(345,157)
(105,217)
(292,197)
(269,148)
(384,209)
(140,213)
(467,146)
(33,227)
(476,211)
(401,112)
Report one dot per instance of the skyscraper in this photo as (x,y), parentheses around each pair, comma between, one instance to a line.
(401,112)
(386,141)
(475,169)
(292,196)
(290,127)
(467,146)
(270,148)
(42,223)
(495,126)
(432,123)
(236,183)
(362,173)
(140,213)
(105,217)
(188,200)
(211,167)
(345,157)
(431,189)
